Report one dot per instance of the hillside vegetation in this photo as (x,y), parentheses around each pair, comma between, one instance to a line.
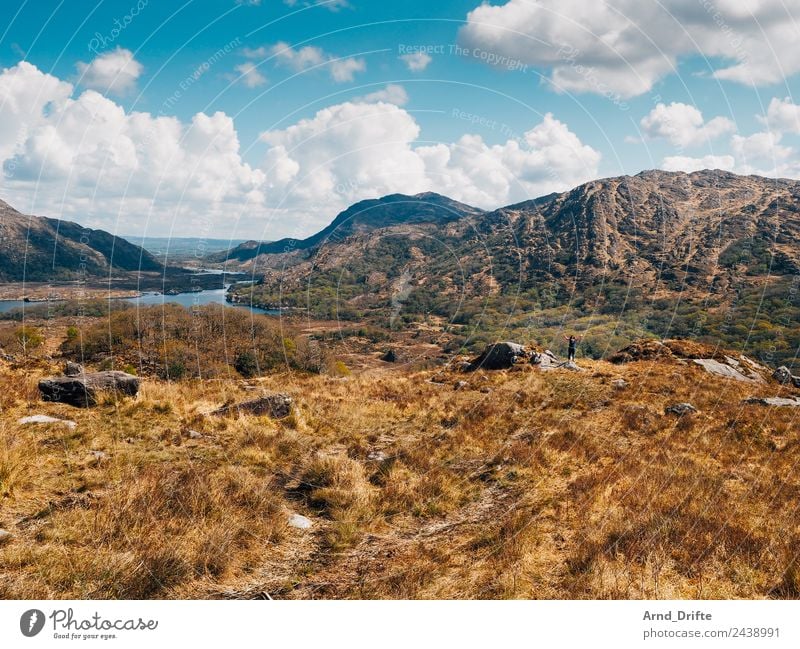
(710,255)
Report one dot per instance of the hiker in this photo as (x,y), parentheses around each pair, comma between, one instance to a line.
(573,341)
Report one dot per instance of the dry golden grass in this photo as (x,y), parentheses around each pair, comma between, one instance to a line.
(524,484)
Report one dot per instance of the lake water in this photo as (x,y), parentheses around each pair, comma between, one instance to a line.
(213,296)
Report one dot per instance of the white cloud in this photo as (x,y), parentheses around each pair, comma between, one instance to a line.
(344,69)
(356,150)
(683,125)
(625,46)
(416,61)
(250,76)
(783,116)
(85,158)
(112,72)
(393,93)
(331,5)
(689,164)
(303,58)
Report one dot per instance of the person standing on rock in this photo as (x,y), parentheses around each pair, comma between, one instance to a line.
(573,342)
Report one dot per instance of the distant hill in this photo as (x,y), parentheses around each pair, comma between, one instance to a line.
(364,216)
(35,248)
(183,247)
(709,254)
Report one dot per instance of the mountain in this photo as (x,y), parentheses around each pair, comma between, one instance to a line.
(36,248)
(179,248)
(709,254)
(362,217)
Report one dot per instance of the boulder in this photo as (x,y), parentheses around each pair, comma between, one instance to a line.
(85,390)
(299,522)
(46,419)
(783,375)
(5,537)
(680,409)
(275,405)
(499,356)
(73,369)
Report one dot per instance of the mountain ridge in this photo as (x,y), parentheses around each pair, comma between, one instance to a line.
(39,248)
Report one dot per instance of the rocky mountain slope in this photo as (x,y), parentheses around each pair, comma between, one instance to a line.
(670,253)
(35,248)
(363,217)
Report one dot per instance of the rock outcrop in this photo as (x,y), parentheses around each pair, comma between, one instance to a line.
(87,389)
(275,405)
(775,401)
(499,356)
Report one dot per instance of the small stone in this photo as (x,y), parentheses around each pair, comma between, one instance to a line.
(680,409)
(193,434)
(460,385)
(299,522)
(46,419)
(5,536)
(376,456)
(99,456)
(619,384)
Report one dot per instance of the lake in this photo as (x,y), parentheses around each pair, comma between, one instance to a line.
(213,296)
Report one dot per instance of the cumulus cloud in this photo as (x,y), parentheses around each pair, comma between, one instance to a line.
(683,125)
(113,72)
(783,116)
(416,61)
(689,164)
(250,76)
(625,46)
(354,150)
(303,58)
(85,158)
(392,93)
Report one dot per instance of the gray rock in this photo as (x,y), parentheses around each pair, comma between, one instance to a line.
(299,522)
(499,356)
(99,456)
(193,434)
(724,370)
(73,369)
(85,390)
(782,375)
(619,384)
(460,385)
(5,537)
(774,401)
(46,419)
(275,405)
(680,409)
(376,456)
(571,365)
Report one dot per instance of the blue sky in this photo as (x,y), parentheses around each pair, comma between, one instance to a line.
(348,117)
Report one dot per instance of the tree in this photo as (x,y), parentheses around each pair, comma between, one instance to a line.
(28,339)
